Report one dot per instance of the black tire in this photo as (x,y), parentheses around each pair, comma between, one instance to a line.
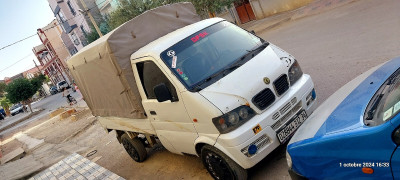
(220,166)
(134,147)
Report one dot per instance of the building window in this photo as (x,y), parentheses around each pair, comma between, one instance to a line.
(61,16)
(75,38)
(73,51)
(83,30)
(71,8)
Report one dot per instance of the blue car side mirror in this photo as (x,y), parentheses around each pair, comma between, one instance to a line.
(396,136)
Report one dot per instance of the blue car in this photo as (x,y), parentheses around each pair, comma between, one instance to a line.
(355,133)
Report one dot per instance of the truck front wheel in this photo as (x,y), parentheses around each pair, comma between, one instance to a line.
(220,166)
(134,147)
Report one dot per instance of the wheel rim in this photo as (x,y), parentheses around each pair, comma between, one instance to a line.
(130,149)
(218,167)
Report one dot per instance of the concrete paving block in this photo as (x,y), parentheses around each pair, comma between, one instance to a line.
(13,155)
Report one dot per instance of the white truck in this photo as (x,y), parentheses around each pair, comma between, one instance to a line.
(206,88)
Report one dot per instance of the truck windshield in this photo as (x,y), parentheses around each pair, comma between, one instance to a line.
(206,56)
(386,102)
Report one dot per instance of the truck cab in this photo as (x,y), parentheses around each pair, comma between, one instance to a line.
(203,87)
(212,84)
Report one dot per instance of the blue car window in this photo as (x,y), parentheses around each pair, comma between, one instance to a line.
(386,102)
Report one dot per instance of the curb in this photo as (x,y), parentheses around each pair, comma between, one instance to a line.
(21,120)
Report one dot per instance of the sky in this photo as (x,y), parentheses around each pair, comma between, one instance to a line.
(20,19)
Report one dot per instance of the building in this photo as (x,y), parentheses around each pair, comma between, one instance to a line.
(51,64)
(248,10)
(73,23)
(8,80)
(33,72)
(53,52)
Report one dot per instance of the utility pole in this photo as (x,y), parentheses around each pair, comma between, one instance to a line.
(37,67)
(91,18)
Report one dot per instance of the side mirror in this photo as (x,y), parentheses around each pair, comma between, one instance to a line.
(396,136)
(162,93)
(253,32)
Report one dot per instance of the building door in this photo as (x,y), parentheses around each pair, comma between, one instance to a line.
(245,13)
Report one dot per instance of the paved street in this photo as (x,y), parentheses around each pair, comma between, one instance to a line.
(48,104)
(332,46)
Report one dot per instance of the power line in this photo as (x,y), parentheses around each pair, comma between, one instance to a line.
(16,62)
(46,29)
(36,34)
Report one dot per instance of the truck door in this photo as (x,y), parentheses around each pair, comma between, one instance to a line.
(172,123)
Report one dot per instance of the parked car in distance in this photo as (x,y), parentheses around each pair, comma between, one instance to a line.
(355,133)
(2,111)
(61,85)
(53,90)
(1,116)
(15,109)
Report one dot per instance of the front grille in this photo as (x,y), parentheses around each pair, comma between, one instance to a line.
(275,116)
(259,142)
(286,117)
(281,84)
(263,99)
(285,108)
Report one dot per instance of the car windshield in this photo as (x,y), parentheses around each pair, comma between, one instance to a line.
(61,83)
(198,60)
(386,102)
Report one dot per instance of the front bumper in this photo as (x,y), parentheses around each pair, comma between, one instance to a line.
(235,143)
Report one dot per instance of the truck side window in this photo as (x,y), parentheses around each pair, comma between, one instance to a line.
(151,76)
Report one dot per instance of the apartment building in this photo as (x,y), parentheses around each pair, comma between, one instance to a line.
(72,21)
(53,52)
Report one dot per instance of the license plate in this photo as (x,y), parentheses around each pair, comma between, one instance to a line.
(285,132)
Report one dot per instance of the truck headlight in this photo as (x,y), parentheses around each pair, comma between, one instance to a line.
(233,119)
(294,72)
(288,160)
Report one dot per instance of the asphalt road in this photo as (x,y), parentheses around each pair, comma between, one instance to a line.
(49,104)
(334,47)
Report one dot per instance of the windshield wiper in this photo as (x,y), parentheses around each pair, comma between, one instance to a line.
(260,47)
(371,111)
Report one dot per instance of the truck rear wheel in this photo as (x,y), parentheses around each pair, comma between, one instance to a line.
(134,147)
(220,166)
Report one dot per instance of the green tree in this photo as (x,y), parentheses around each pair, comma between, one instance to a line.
(38,81)
(21,90)
(5,103)
(2,89)
(129,9)
(93,35)
(209,7)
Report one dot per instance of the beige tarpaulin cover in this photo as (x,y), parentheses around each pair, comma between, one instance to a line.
(102,70)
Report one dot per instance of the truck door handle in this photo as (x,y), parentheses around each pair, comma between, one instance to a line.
(153,113)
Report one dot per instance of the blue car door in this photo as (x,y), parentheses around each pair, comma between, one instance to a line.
(395,159)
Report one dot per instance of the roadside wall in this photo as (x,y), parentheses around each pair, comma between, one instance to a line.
(265,8)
